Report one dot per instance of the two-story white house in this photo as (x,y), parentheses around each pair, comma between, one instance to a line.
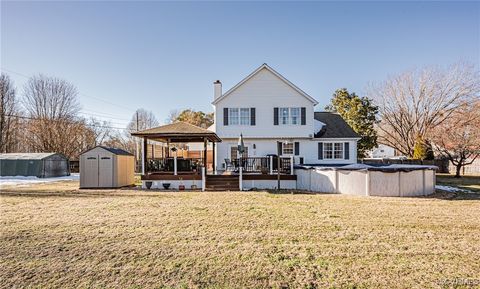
(274,115)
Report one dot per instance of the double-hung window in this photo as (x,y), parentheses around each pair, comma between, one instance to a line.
(338,150)
(285,115)
(328,150)
(333,150)
(244,116)
(295,115)
(287,148)
(289,115)
(239,116)
(233,115)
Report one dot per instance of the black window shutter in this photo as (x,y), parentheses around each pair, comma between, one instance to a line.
(297,148)
(225,116)
(279,148)
(347,150)
(252,116)
(301,161)
(303,116)
(320,150)
(275,116)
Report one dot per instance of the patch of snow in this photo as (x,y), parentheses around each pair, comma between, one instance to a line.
(318,125)
(451,189)
(27,181)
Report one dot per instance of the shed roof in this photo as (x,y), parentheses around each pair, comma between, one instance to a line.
(25,156)
(178,132)
(335,126)
(116,151)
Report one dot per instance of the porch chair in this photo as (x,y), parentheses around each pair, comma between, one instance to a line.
(229,166)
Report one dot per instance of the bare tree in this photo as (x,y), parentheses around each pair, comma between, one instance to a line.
(458,137)
(54,125)
(101,130)
(413,103)
(9,122)
(142,119)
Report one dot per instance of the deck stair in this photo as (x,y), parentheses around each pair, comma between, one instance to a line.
(222,182)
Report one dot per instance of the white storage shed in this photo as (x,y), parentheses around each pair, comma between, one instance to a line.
(104,167)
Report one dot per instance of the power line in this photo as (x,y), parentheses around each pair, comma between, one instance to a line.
(105,113)
(37,118)
(99,115)
(80,93)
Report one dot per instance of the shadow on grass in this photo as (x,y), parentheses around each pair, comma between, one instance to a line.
(453,196)
(127,193)
(292,192)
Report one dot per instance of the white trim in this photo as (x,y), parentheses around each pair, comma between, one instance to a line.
(303,93)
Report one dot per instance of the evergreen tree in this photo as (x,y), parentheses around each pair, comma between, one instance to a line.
(360,114)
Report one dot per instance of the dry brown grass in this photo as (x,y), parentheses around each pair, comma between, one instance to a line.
(58,236)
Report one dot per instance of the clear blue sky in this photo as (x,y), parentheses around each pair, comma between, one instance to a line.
(163,56)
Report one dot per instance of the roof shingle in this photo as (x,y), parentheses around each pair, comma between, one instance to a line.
(335,126)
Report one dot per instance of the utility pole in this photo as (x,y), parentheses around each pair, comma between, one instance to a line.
(136,143)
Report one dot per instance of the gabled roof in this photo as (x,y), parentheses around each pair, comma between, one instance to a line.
(335,126)
(25,156)
(178,132)
(265,66)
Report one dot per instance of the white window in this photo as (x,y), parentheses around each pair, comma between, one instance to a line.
(289,115)
(287,148)
(245,116)
(295,115)
(328,150)
(239,116)
(338,151)
(233,115)
(333,150)
(284,115)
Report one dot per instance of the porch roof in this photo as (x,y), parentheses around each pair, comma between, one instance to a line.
(178,132)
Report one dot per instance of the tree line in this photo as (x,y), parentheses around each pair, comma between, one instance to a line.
(420,113)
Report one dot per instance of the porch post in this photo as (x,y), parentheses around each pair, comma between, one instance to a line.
(291,165)
(144,158)
(205,153)
(168,148)
(175,165)
(214,159)
(271,165)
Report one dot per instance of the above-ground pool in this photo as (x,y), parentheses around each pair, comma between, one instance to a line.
(367,180)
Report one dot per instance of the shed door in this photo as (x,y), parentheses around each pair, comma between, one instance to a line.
(105,171)
(90,172)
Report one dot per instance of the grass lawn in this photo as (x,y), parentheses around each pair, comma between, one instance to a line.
(469,182)
(54,235)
